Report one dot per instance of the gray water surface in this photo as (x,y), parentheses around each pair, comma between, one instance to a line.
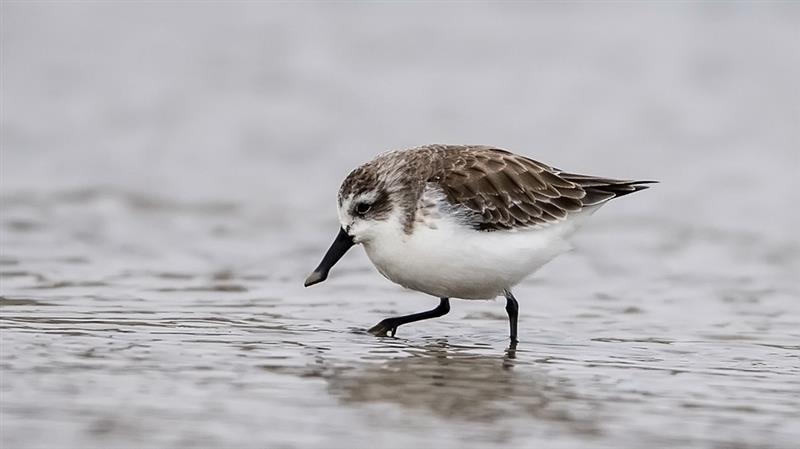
(169,177)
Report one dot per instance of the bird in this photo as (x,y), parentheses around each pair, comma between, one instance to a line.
(462,222)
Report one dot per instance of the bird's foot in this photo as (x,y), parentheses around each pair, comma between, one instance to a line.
(512,345)
(383,328)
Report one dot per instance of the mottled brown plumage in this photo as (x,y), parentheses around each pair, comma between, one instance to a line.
(490,189)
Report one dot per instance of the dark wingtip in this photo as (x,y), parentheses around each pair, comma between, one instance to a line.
(626,188)
(641,185)
(645,182)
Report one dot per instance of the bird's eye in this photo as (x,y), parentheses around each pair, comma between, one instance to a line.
(363,208)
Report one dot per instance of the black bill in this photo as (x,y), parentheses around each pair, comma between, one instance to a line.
(340,246)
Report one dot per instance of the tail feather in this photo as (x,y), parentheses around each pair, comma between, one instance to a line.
(599,190)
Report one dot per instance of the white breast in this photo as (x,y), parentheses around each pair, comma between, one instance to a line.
(444,258)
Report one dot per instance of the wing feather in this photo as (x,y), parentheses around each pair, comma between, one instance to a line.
(504,191)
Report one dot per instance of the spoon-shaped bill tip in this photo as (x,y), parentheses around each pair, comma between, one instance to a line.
(314,278)
(340,245)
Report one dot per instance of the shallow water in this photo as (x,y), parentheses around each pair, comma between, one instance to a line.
(157,224)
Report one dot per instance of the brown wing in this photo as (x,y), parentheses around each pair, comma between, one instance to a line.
(502,190)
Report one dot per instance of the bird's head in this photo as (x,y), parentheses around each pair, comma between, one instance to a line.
(366,203)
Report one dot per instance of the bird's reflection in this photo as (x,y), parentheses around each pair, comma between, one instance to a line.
(457,382)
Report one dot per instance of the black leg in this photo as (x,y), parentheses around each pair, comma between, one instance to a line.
(512,308)
(390,324)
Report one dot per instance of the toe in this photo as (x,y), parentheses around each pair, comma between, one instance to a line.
(382,329)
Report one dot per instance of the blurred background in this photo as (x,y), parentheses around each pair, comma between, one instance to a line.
(168,177)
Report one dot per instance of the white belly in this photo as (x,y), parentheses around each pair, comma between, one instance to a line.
(452,261)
